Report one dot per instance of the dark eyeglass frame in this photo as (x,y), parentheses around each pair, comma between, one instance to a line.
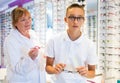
(73,18)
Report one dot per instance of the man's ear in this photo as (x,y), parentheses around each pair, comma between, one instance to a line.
(65,19)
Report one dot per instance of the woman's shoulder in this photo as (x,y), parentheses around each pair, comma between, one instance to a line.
(10,35)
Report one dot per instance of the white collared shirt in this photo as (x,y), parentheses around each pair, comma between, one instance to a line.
(72,53)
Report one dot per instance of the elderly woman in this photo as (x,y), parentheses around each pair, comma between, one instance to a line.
(22,51)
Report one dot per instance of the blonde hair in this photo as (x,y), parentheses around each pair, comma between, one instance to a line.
(17,13)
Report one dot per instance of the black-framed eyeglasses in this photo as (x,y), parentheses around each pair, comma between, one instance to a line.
(73,18)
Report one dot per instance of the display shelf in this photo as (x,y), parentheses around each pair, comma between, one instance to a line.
(5,28)
(109,31)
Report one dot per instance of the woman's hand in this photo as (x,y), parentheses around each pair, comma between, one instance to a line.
(33,53)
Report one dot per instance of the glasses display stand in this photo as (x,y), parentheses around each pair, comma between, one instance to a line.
(109,32)
(5,27)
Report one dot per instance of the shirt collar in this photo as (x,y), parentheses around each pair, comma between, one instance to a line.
(66,38)
(19,34)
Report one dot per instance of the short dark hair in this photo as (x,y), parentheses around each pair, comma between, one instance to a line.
(75,5)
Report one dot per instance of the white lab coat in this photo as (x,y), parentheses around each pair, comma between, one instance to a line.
(80,52)
(20,67)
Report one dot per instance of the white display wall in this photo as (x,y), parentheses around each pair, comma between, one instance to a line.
(109,40)
(49,17)
(5,27)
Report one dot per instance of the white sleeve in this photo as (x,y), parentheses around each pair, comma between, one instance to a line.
(92,58)
(50,48)
(18,63)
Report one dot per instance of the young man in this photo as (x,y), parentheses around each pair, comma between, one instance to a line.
(71,56)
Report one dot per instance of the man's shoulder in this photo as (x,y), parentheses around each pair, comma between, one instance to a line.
(87,40)
(59,36)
